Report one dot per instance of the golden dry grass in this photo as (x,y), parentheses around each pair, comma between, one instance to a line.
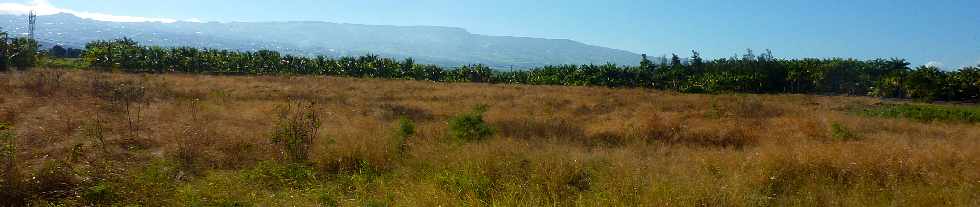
(205,140)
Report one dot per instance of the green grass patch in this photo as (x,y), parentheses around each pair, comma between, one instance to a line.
(925,112)
(841,133)
(64,63)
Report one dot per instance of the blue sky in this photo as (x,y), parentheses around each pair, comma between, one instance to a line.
(944,32)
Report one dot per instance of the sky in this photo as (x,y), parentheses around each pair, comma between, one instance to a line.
(943,33)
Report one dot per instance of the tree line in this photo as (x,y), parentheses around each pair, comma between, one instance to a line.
(747,73)
(59,51)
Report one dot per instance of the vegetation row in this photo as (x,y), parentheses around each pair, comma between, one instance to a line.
(749,73)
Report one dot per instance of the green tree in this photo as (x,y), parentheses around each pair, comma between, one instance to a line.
(676,74)
(697,63)
(4,51)
(24,53)
(965,84)
(58,51)
(925,83)
(675,61)
(97,54)
(645,63)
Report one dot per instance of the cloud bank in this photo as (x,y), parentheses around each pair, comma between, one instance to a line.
(935,64)
(43,7)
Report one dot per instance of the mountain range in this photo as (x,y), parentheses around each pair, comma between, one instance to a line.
(446,46)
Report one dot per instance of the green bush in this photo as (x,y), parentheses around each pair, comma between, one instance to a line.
(470,126)
(406,127)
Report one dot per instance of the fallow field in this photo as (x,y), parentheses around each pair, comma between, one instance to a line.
(94,138)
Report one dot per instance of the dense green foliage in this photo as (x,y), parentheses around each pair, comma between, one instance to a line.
(749,73)
(17,52)
(59,51)
(3,51)
(926,112)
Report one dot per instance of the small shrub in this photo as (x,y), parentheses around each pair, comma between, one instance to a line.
(406,127)
(100,194)
(55,180)
(840,133)
(470,126)
(95,132)
(298,127)
(122,95)
(194,141)
(128,98)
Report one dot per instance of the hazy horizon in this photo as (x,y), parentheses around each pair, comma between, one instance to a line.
(926,33)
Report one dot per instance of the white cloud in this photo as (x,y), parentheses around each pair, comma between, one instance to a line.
(935,64)
(43,7)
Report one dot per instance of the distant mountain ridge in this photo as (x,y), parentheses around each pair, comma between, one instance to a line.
(447,46)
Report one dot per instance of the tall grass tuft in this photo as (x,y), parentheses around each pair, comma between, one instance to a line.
(406,129)
(298,128)
(10,186)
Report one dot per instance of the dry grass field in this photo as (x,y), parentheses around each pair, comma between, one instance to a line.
(91,138)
